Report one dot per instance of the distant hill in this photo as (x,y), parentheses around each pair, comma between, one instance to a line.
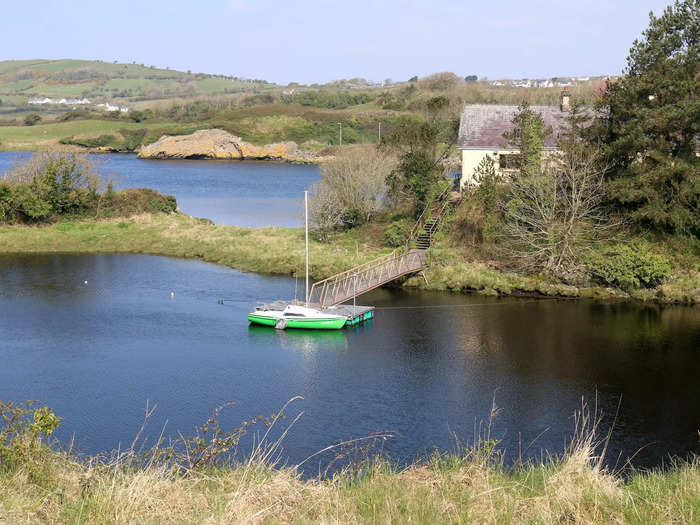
(21,80)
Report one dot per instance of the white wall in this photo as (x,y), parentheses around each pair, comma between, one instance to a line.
(471,159)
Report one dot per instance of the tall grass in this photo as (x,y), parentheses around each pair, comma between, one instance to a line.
(473,486)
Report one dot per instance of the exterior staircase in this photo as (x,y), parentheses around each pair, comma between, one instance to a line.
(431,220)
(403,261)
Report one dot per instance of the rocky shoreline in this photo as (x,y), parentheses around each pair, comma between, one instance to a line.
(218,144)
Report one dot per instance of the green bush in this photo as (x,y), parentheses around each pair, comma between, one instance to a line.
(7,204)
(328,99)
(54,186)
(32,118)
(34,206)
(397,232)
(92,142)
(21,430)
(163,203)
(138,116)
(133,138)
(628,266)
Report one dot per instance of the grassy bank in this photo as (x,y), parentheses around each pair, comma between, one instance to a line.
(454,489)
(40,485)
(264,250)
(277,250)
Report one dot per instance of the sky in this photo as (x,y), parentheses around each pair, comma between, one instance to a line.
(311,41)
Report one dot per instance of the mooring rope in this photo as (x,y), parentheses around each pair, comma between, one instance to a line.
(437,306)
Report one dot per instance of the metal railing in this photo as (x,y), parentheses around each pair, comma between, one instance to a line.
(373,274)
(361,279)
(442,200)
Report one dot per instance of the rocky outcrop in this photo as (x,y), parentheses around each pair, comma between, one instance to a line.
(220,144)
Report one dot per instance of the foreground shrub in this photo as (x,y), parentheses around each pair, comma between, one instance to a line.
(629,266)
(21,430)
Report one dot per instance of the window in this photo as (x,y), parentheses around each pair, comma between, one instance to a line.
(509,161)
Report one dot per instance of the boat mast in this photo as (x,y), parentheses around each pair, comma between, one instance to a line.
(306,227)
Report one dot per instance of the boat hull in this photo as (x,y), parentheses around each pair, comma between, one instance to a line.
(303,323)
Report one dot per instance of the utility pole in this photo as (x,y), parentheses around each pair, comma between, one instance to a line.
(380,132)
(341,133)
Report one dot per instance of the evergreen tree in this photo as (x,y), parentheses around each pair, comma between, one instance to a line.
(422,144)
(528,137)
(650,121)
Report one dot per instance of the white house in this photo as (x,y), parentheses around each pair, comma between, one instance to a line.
(481,131)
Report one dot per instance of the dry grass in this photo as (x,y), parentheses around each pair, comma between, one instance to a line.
(471,488)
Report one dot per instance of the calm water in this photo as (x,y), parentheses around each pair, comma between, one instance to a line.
(426,368)
(227,192)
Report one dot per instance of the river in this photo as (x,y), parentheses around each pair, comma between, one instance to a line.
(427,368)
(228,192)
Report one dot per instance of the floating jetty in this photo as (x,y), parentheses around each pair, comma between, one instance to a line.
(354,314)
(323,307)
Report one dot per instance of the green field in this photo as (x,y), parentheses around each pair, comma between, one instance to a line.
(102,80)
(46,136)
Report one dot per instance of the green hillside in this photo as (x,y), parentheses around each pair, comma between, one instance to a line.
(24,79)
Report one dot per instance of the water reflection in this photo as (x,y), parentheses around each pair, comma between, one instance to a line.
(307,342)
(427,367)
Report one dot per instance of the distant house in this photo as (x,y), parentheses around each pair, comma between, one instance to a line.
(110,107)
(481,131)
(64,101)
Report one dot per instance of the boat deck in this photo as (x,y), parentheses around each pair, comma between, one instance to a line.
(355,314)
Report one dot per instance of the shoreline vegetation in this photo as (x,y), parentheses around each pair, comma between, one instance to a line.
(198,480)
(280,251)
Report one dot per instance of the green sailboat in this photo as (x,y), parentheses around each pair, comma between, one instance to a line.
(297,316)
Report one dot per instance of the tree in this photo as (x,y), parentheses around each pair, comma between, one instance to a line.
(553,209)
(413,78)
(440,81)
(478,217)
(471,78)
(422,143)
(650,118)
(352,189)
(32,119)
(51,184)
(528,137)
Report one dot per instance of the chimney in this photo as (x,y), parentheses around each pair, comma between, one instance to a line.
(564,100)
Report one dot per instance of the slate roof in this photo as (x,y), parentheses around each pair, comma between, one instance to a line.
(482,125)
